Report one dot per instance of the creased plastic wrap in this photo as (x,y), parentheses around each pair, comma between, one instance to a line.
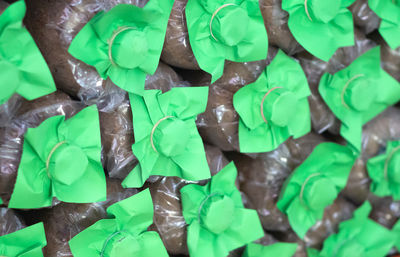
(9,221)
(390,60)
(364,18)
(29,115)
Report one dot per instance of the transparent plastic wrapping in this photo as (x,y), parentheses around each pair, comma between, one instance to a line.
(357,187)
(168,217)
(385,211)
(266,240)
(218,125)
(276,23)
(29,115)
(321,116)
(390,60)
(177,50)
(9,221)
(66,220)
(261,179)
(364,18)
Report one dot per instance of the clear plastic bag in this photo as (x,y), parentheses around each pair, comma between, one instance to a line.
(390,60)
(364,18)
(9,221)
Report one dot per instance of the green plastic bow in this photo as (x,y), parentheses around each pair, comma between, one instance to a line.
(27,242)
(222,30)
(274,107)
(357,237)
(384,171)
(124,233)
(277,249)
(217,220)
(1,201)
(23,69)
(358,93)
(125,43)
(61,158)
(321,26)
(167,142)
(314,185)
(389,12)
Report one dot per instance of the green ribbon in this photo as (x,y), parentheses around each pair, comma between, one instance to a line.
(27,242)
(61,158)
(217,220)
(314,185)
(358,93)
(389,12)
(357,237)
(384,171)
(277,249)
(23,69)
(321,26)
(125,43)
(222,30)
(167,142)
(124,233)
(274,107)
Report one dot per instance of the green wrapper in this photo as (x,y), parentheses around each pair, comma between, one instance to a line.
(277,249)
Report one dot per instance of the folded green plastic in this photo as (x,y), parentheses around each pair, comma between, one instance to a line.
(124,233)
(167,142)
(222,30)
(277,249)
(27,242)
(389,12)
(61,158)
(321,26)
(274,107)
(357,237)
(23,69)
(314,185)
(217,220)
(358,93)
(125,43)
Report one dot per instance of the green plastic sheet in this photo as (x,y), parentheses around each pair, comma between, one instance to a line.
(389,12)
(125,43)
(222,30)
(217,220)
(384,171)
(314,185)
(167,142)
(61,158)
(22,67)
(357,237)
(124,233)
(274,107)
(358,93)
(277,249)
(27,242)
(1,201)
(321,26)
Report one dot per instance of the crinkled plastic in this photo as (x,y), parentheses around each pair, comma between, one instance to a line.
(66,220)
(29,115)
(276,23)
(364,18)
(321,116)
(261,179)
(9,221)
(168,217)
(218,125)
(390,59)
(385,211)
(117,128)
(177,50)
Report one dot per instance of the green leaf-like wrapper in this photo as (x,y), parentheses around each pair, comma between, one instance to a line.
(61,158)
(384,171)
(217,220)
(125,43)
(124,233)
(23,69)
(389,12)
(321,26)
(167,142)
(358,93)
(281,91)
(314,185)
(277,249)
(357,237)
(222,30)
(27,242)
